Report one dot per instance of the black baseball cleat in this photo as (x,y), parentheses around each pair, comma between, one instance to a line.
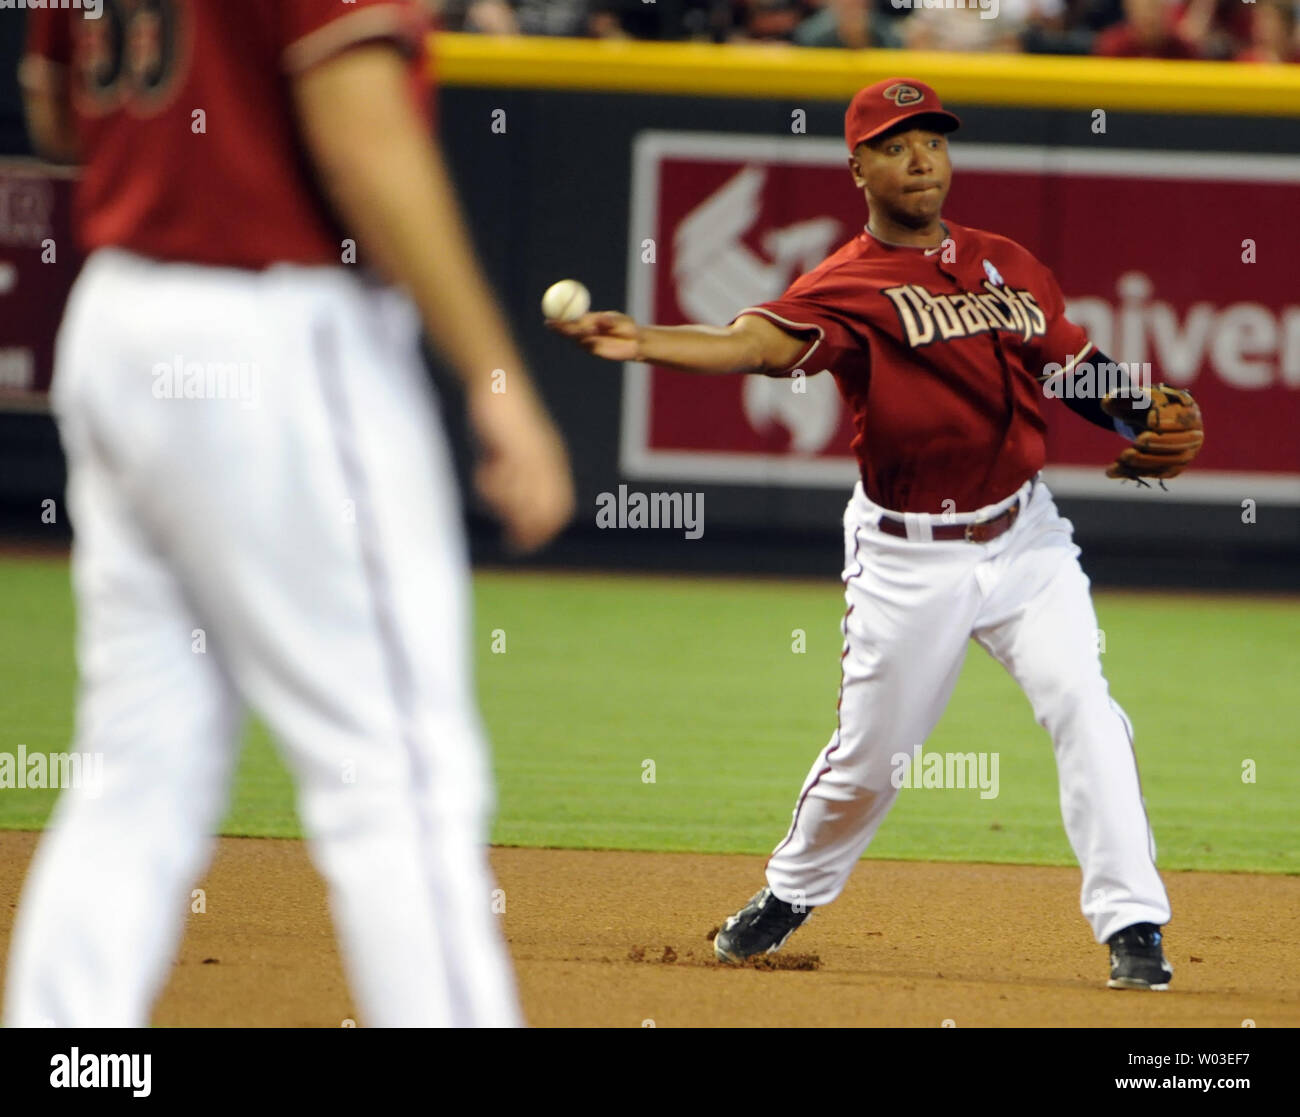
(1137,960)
(760,927)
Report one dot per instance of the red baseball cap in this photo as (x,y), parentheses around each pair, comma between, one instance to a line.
(879,107)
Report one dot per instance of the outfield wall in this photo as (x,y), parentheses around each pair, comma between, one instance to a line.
(685,181)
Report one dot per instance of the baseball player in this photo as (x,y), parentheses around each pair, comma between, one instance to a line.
(938,337)
(265,514)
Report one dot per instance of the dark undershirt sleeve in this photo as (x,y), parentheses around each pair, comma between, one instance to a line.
(1090,407)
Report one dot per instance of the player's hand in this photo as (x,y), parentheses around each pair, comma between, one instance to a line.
(604,333)
(523,470)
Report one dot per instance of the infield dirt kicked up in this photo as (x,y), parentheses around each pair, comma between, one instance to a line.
(614,939)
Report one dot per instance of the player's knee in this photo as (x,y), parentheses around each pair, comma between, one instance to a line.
(1070,700)
(358,812)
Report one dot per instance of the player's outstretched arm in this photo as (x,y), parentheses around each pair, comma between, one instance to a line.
(751,344)
(390,185)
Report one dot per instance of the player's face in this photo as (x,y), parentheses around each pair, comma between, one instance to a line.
(906,175)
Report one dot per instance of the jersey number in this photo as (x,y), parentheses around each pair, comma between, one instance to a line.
(129,54)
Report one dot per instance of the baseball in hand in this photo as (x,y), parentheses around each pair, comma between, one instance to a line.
(566,300)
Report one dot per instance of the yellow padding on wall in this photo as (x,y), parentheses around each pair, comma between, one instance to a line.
(802,73)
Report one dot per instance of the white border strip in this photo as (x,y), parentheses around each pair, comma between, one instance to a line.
(635,458)
(1083,162)
(820,151)
(37,168)
(1215,486)
(16,400)
(637,461)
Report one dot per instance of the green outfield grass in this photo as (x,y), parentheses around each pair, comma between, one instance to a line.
(602,674)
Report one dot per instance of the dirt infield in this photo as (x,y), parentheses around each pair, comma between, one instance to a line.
(619,939)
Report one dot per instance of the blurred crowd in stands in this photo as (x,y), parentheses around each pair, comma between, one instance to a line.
(1245,30)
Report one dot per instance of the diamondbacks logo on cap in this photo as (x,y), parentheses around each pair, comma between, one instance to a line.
(903,95)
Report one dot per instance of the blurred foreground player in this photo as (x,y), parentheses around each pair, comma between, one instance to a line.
(265,512)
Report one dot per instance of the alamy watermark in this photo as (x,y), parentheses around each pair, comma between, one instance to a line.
(946,770)
(60,770)
(93,8)
(988,8)
(678,511)
(233,380)
(87,1070)
(1085,380)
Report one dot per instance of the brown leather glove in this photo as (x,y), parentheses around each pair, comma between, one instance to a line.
(1169,432)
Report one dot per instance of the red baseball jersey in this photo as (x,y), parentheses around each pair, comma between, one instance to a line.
(939,354)
(185,117)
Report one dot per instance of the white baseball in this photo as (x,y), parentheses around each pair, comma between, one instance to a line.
(566,300)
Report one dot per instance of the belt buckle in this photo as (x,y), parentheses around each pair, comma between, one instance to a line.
(1008,514)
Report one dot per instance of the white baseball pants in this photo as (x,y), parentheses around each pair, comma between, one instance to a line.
(297,550)
(912,607)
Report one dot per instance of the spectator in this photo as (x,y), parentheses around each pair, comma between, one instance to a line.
(767,20)
(552,17)
(1272,34)
(1248,30)
(1095,15)
(1034,19)
(488,17)
(847,23)
(1062,26)
(1216,29)
(607,23)
(663,19)
(1147,32)
(516,17)
(602,19)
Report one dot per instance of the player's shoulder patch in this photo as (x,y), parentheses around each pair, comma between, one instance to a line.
(1004,260)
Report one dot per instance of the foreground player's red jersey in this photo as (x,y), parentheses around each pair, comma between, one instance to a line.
(939,355)
(185,117)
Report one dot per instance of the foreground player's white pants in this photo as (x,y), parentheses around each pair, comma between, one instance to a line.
(297,550)
(912,607)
